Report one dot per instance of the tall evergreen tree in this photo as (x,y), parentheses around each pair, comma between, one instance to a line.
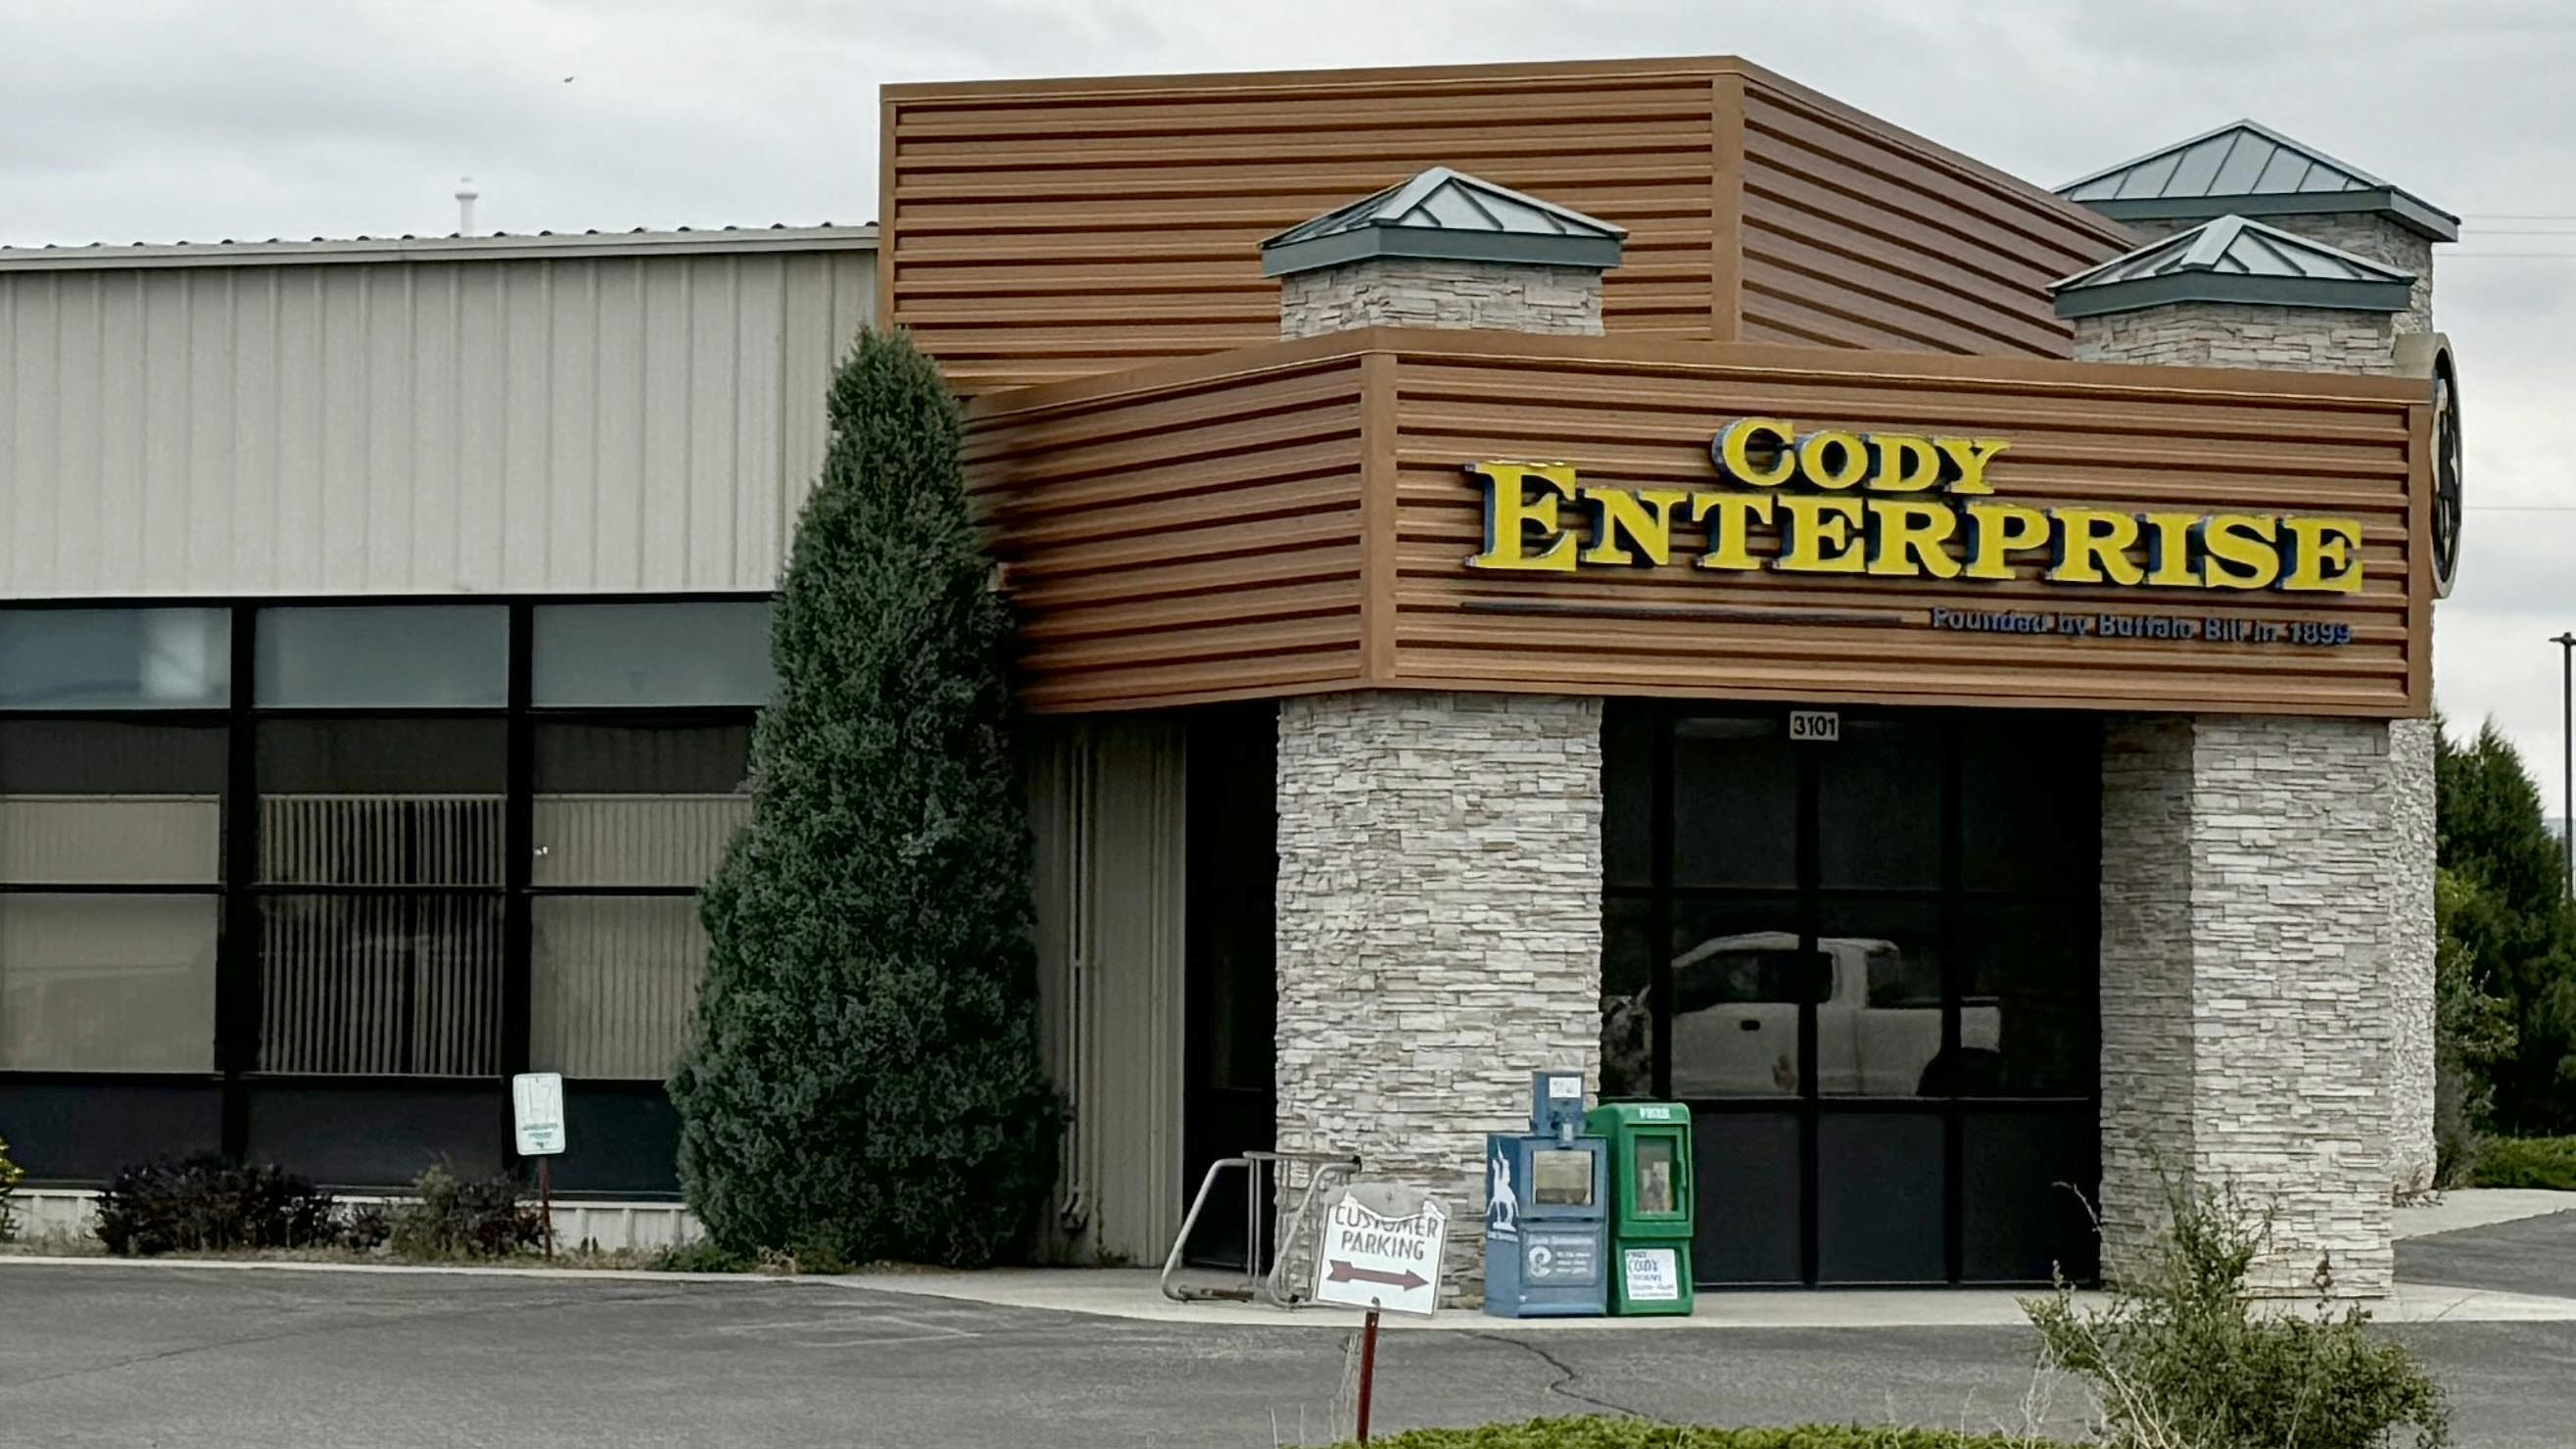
(2510,919)
(864,1075)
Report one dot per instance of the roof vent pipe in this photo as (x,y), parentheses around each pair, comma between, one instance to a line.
(466,196)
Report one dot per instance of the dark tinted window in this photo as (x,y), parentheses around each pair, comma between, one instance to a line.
(1735,803)
(385,656)
(1878,805)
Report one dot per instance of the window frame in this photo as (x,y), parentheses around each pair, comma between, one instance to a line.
(238,1005)
(1649,730)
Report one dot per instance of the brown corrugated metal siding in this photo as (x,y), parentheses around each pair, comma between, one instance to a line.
(1856,235)
(1196,537)
(1295,517)
(1042,230)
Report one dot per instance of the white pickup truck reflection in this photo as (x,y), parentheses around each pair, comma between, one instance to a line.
(1878,1022)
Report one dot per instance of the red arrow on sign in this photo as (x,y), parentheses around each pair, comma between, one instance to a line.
(1408,1279)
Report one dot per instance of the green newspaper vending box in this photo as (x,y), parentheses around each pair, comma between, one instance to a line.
(1651,1208)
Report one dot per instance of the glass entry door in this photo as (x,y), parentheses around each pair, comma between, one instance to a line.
(1869,966)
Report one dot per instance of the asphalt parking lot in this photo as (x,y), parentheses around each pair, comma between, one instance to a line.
(211,1358)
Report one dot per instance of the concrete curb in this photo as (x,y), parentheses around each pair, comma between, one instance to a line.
(455,1270)
(2477,1207)
(1133,1294)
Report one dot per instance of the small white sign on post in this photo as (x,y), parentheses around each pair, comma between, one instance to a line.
(1370,1259)
(536,1104)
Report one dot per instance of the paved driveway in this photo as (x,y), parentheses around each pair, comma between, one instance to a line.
(269,1359)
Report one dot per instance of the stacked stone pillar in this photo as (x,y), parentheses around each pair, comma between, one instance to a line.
(1439,889)
(2267,903)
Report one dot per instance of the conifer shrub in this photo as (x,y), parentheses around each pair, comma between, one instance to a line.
(863,1080)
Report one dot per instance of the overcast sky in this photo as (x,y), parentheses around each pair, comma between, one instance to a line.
(153,121)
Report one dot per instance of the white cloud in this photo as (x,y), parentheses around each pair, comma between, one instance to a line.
(155,120)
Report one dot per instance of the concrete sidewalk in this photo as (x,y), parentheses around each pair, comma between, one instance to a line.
(1134,1294)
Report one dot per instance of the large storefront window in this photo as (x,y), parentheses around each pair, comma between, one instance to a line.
(308,882)
(1869,965)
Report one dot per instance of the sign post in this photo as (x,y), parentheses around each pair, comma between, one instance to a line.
(1384,1257)
(536,1110)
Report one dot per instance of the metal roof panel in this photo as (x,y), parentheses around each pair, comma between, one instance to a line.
(2232,258)
(1446,213)
(2233,168)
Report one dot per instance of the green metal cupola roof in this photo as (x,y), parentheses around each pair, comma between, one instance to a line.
(1446,215)
(2245,169)
(2234,259)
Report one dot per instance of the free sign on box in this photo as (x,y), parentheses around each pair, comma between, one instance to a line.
(1385,1257)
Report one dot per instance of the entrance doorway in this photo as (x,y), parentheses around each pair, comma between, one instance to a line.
(1231,989)
(1869,966)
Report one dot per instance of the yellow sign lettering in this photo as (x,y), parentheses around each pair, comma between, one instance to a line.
(1511,514)
(1643,518)
(2319,553)
(1906,463)
(2169,562)
(2237,551)
(1823,496)
(1970,456)
(2093,547)
(1731,517)
(1833,458)
(1816,535)
(1996,531)
(1909,539)
(1734,452)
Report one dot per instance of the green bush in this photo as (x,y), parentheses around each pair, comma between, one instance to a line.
(863,1079)
(1595,1432)
(2181,1354)
(2527,1162)
(205,1204)
(10,1173)
(453,1217)
(366,1228)
(699,1255)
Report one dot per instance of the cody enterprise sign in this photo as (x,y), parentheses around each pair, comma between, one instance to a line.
(1901,506)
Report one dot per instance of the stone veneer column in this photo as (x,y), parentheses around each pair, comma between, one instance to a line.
(2267,1012)
(2244,894)
(1439,292)
(1439,929)
(1439,890)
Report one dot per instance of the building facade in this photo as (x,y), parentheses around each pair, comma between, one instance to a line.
(385,624)
(1628,566)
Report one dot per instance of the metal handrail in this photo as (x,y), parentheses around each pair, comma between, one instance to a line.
(1260,1180)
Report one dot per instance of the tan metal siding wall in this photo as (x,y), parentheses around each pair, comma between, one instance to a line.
(1857,236)
(1107,804)
(589,424)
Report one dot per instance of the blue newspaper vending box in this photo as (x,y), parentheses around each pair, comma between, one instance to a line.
(1547,1221)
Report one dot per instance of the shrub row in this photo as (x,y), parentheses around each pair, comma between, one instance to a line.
(10,1172)
(2548,1162)
(205,1204)
(1595,1432)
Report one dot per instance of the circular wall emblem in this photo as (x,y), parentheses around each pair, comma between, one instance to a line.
(2446,472)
